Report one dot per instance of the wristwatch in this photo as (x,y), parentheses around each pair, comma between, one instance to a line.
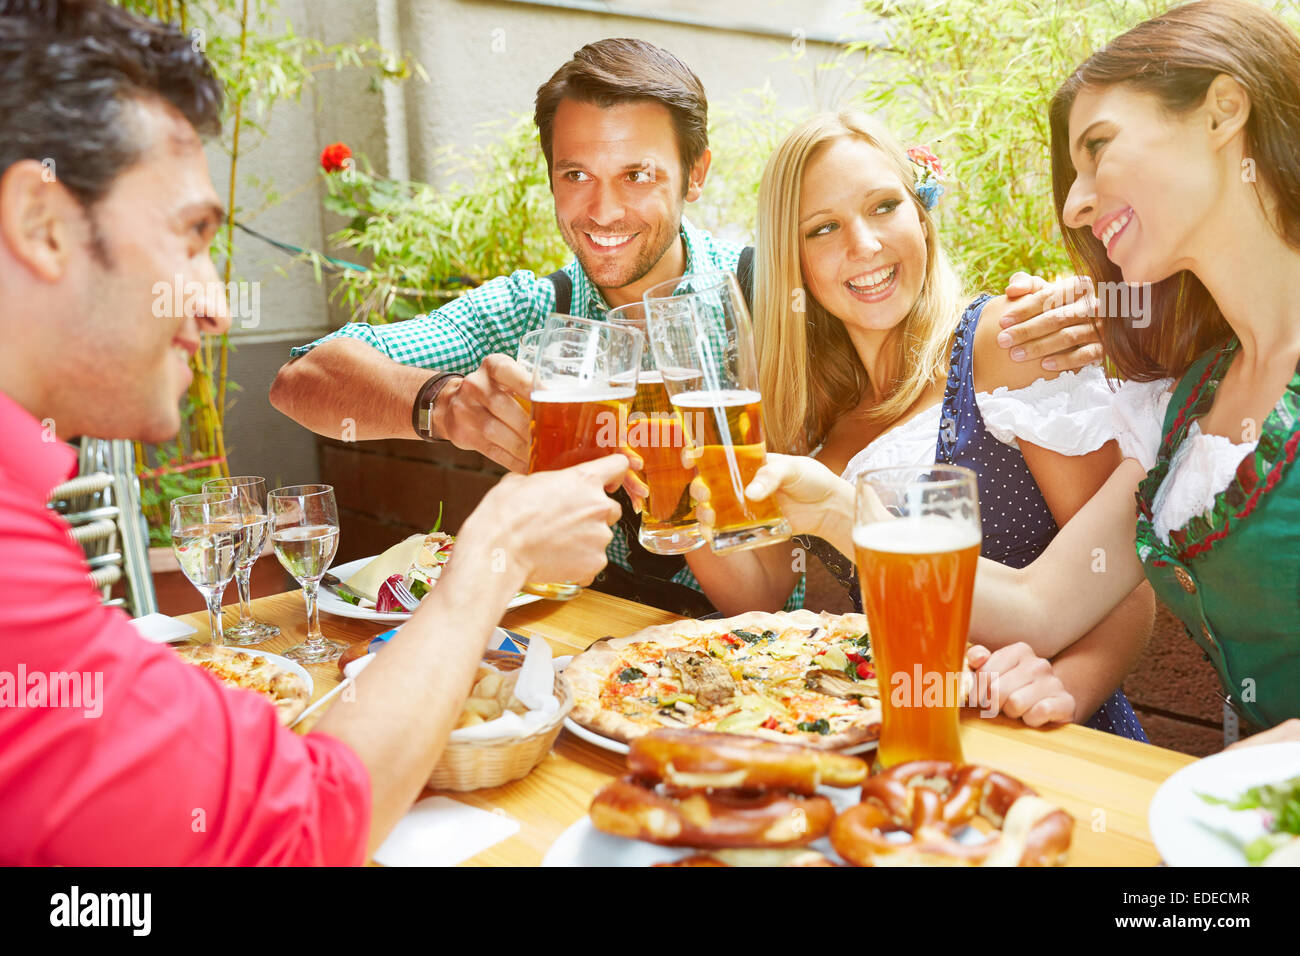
(425,399)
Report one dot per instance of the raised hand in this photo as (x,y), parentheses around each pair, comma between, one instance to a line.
(481,412)
(1051,322)
(553,524)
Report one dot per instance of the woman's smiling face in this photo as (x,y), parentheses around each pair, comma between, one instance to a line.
(1145,180)
(862,243)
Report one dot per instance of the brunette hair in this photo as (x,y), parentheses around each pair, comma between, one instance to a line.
(804,354)
(68,70)
(1175,57)
(613,71)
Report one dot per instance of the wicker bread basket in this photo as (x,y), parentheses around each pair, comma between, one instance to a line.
(476,764)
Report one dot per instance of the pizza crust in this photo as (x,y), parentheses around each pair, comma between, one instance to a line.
(589,671)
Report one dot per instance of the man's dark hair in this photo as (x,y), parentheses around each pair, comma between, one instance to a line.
(609,72)
(69,69)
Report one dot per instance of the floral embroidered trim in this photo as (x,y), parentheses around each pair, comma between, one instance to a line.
(1257,475)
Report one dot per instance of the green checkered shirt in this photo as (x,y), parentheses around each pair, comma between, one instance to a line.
(496,315)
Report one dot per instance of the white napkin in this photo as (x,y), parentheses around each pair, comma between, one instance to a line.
(161,629)
(535,689)
(439,831)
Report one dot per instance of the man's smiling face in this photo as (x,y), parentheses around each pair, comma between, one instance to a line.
(619,189)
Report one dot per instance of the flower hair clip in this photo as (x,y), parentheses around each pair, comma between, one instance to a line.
(929,175)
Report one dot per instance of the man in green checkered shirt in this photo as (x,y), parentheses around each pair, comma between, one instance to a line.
(623,128)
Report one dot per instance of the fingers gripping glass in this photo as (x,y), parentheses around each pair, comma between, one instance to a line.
(655,432)
(703,344)
(584,381)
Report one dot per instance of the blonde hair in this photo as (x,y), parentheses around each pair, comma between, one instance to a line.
(806,357)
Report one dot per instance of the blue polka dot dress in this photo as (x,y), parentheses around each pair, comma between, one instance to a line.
(1016,521)
(1017,524)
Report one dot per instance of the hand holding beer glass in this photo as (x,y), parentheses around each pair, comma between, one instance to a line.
(700,334)
(654,432)
(584,381)
(918,576)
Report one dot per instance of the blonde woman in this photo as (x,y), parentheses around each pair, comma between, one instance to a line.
(870,355)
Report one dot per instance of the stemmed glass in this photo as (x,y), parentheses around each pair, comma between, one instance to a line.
(305,535)
(206,535)
(250,493)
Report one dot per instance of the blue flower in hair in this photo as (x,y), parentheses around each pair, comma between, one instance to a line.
(929,175)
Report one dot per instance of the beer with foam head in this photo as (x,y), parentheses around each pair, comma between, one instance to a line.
(584,381)
(917,574)
(699,331)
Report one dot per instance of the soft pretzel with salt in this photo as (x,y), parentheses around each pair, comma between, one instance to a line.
(932,800)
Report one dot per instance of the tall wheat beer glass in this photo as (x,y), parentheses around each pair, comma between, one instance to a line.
(918,575)
(584,381)
(654,432)
(702,342)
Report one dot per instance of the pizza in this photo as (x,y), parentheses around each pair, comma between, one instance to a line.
(795,676)
(235,668)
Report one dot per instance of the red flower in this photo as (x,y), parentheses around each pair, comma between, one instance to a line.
(922,156)
(333,157)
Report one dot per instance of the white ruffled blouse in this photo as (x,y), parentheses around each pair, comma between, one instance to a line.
(1070,414)
(1201,469)
(1076,413)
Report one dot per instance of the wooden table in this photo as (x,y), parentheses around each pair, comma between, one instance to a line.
(1104,781)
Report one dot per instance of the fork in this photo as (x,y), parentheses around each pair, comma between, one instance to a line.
(404,595)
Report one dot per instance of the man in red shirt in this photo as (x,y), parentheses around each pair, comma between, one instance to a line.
(105,194)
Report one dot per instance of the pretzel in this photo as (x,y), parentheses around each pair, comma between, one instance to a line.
(933,799)
(701,759)
(632,809)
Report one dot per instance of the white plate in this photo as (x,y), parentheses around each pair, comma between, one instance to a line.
(583,845)
(607,743)
(1186,830)
(330,602)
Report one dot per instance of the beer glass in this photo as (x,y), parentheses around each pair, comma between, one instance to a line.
(206,538)
(918,576)
(305,535)
(584,381)
(702,342)
(250,492)
(654,432)
(525,356)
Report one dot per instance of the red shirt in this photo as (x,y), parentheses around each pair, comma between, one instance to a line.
(164,765)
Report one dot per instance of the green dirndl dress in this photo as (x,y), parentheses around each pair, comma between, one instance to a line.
(1232,574)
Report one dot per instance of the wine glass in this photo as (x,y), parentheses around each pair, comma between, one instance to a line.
(305,535)
(250,492)
(206,535)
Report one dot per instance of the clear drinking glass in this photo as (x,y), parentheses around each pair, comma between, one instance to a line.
(584,381)
(305,535)
(250,492)
(700,334)
(206,536)
(527,356)
(918,577)
(654,432)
